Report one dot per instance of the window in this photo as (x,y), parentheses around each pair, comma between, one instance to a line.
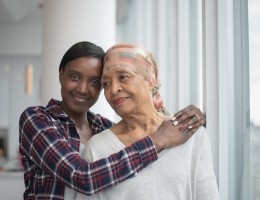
(203,56)
(254,58)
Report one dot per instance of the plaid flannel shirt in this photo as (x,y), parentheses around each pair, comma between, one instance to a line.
(49,145)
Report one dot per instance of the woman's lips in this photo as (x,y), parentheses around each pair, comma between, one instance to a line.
(119,100)
(80,99)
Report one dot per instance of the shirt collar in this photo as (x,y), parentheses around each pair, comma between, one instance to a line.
(53,107)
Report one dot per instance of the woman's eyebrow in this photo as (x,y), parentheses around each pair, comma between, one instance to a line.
(123,71)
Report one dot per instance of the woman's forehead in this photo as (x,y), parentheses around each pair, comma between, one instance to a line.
(118,70)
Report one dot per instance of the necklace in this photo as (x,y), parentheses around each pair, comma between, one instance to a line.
(125,130)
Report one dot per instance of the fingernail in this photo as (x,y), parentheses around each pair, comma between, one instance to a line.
(182,128)
(175,123)
(189,127)
(173,118)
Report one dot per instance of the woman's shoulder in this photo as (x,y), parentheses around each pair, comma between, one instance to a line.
(201,133)
(41,113)
(52,108)
(33,111)
(36,108)
(201,130)
(99,122)
(200,138)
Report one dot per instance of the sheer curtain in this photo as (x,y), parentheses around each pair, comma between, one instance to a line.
(254,47)
(171,29)
(202,51)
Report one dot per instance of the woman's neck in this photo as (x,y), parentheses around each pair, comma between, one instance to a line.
(135,126)
(79,118)
(142,122)
(83,126)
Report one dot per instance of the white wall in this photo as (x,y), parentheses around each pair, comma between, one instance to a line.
(11,186)
(74,21)
(23,37)
(21,44)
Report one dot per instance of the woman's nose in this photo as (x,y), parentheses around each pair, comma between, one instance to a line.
(115,87)
(82,87)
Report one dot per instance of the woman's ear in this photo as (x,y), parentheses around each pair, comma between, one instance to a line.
(157,101)
(151,86)
(154,90)
(60,75)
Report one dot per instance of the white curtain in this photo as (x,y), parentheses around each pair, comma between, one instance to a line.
(202,52)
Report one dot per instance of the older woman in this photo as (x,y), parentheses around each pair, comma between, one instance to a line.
(130,85)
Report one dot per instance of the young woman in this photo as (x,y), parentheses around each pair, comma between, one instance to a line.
(51,137)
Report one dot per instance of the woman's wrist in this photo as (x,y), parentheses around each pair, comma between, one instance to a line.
(156,141)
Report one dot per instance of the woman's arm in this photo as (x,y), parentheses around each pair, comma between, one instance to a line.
(43,145)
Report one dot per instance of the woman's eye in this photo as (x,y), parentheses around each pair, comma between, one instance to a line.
(122,77)
(105,84)
(95,83)
(74,77)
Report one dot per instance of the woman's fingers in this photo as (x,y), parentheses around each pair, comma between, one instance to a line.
(190,117)
(184,112)
(168,135)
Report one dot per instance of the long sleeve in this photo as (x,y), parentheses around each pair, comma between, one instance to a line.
(47,153)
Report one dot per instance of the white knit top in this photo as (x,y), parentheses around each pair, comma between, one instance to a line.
(184,172)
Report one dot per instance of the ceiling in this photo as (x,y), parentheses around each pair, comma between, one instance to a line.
(13,11)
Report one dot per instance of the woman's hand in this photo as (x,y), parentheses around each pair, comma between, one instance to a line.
(179,129)
(168,136)
(190,118)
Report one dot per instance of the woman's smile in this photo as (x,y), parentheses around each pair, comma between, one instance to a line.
(80,99)
(119,101)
